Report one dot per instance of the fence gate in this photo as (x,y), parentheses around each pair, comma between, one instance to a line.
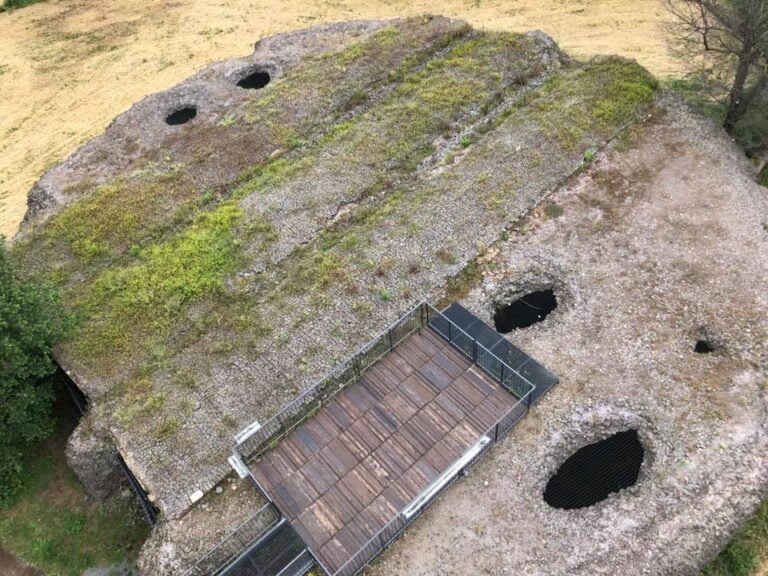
(280,552)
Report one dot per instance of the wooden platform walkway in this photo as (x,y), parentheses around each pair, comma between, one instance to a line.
(350,469)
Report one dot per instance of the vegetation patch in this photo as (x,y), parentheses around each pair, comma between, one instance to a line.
(54,525)
(8,5)
(747,552)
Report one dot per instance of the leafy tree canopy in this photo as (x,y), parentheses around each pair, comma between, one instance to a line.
(31,323)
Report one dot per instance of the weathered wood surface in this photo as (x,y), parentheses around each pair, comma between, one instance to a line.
(346,472)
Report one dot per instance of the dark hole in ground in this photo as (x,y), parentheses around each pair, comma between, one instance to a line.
(525,311)
(255,80)
(703,347)
(595,471)
(181,116)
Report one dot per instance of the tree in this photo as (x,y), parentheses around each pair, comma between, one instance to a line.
(729,38)
(31,323)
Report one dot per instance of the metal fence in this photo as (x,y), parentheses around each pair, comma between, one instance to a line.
(233,545)
(395,527)
(304,406)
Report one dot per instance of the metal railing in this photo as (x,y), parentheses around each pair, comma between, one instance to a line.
(489,362)
(384,537)
(294,413)
(303,407)
(297,411)
(226,551)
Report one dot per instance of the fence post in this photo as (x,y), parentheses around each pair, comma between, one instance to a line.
(496,433)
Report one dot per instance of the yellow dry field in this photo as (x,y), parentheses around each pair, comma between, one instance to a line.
(68,67)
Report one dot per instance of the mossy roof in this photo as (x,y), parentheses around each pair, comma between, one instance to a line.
(221,272)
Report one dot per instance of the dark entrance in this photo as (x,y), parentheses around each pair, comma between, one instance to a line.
(595,471)
(181,116)
(704,347)
(255,80)
(525,311)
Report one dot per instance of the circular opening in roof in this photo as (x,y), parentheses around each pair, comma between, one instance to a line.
(525,311)
(181,116)
(595,471)
(255,80)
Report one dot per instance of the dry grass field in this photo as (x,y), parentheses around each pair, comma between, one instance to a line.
(68,67)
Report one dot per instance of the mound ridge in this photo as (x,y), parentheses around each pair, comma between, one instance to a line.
(221,266)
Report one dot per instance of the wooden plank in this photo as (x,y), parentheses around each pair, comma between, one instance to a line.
(458,357)
(294,450)
(481,381)
(399,406)
(338,414)
(390,455)
(319,475)
(425,344)
(362,432)
(402,365)
(266,473)
(468,391)
(411,354)
(358,448)
(435,376)
(380,472)
(364,488)
(417,390)
(448,366)
(339,457)
(326,422)
(337,502)
(382,420)
(334,553)
(320,522)
(374,386)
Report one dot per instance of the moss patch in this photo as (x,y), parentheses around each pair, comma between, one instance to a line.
(747,552)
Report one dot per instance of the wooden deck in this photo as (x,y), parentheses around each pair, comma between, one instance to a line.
(350,469)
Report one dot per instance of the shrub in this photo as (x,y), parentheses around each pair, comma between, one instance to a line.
(31,323)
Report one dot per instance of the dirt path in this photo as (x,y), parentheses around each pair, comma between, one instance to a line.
(9,566)
(68,68)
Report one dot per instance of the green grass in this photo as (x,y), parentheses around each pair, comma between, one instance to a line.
(747,552)
(9,5)
(55,526)
(762,178)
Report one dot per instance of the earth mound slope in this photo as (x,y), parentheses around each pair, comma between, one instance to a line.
(225,242)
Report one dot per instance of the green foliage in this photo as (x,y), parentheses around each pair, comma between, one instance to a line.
(9,5)
(169,274)
(553,210)
(54,525)
(744,555)
(31,323)
(117,214)
(762,178)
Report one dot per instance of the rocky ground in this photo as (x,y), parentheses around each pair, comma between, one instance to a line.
(662,241)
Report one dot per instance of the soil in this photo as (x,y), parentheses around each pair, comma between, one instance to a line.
(67,69)
(9,566)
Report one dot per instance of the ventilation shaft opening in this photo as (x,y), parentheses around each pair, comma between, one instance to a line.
(595,471)
(255,80)
(704,347)
(181,116)
(525,311)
